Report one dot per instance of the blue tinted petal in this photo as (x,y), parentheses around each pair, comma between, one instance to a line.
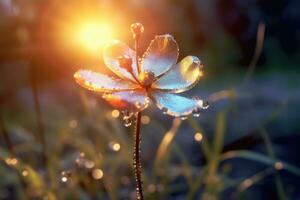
(134,101)
(181,77)
(161,55)
(175,105)
(101,83)
(111,54)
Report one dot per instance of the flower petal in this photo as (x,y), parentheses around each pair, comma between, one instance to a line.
(175,105)
(101,83)
(161,55)
(134,101)
(181,77)
(111,54)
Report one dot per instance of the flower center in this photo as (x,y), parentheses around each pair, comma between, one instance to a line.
(125,62)
(146,78)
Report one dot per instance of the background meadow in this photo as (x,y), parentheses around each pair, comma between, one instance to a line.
(59,142)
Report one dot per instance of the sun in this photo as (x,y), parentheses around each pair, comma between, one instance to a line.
(94,35)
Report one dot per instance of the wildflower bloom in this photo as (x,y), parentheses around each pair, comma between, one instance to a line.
(154,77)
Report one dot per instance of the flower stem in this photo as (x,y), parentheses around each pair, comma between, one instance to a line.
(137,159)
(136,46)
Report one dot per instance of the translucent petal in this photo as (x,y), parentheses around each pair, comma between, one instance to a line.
(175,105)
(161,55)
(111,54)
(101,83)
(135,100)
(181,77)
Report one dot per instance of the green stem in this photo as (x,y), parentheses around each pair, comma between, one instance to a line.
(6,137)
(137,159)
(40,126)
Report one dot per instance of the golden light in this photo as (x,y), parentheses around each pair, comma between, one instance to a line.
(11,161)
(279,165)
(64,179)
(115,113)
(114,146)
(201,74)
(94,35)
(25,173)
(151,188)
(145,119)
(97,174)
(73,123)
(198,137)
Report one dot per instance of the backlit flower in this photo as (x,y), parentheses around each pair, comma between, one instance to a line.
(156,78)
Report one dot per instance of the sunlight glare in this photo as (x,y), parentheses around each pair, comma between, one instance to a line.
(94,35)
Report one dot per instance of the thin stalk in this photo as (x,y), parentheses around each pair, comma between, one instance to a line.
(271,153)
(137,166)
(40,126)
(136,46)
(6,137)
(260,37)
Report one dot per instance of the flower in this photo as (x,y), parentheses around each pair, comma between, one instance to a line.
(155,78)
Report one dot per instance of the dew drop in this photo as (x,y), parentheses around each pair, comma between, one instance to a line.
(196,113)
(127,114)
(196,61)
(183,117)
(164,110)
(64,179)
(138,105)
(127,122)
(104,95)
(147,100)
(205,105)
(65,176)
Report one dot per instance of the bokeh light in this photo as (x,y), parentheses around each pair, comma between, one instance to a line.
(198,137)
(97,174)
(145,119)
(114,146)
(115,113)
(11,161)
(25,173)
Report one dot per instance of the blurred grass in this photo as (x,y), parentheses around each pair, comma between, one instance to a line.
(92,134)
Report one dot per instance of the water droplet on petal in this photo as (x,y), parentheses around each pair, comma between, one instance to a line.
(105,95)
(137,28)
(197,62)
(164,110)
(183,117)
(138,104)
(196,112)
(147,100)
(205,105)
(146,78)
